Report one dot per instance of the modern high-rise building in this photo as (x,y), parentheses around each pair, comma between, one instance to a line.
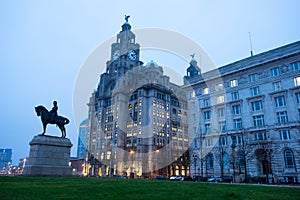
(5,160)
(81,145)
(249,118)
(137,117)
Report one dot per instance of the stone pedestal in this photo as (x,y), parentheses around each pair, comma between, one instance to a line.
(49,156)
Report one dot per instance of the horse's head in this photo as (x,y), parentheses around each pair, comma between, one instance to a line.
(39,109)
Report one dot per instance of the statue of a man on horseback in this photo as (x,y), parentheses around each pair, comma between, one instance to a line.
(51,117)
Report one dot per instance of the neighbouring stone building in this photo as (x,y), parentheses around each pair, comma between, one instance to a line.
(239,121)
(249,118)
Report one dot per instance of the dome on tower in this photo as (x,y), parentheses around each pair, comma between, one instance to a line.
(151,64)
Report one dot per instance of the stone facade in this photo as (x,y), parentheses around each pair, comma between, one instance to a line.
(249,118)
(49,156)
(137,117)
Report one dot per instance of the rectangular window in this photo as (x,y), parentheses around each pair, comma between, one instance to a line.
(236,109)
(282,117)
(258,121)
(254,91)
(219,87)
(257,105)
(298,97)
(235,95)
(280,101)
(207,115)
(222,126)
(253,78)
(285,135)
(207,128)
(277,86)
(275,71)
(296,66)
(205,90)
(221,99)
(297,81)
(237,123)
(208,142)
(239,139)
(206,102)
(221,112)
(233,83)
(260,136)
(223,141)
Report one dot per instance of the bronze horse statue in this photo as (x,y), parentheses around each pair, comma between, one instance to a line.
(47,118)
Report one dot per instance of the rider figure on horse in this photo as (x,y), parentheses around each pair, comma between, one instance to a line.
(53,112)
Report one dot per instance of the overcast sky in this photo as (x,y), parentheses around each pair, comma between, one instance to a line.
(44,43)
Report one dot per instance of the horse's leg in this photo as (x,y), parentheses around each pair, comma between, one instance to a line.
(62,131)
(44,128)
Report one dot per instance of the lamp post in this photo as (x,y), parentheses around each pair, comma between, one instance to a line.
(131,168)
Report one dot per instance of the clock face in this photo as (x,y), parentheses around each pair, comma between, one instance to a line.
(132,55)
(116,54)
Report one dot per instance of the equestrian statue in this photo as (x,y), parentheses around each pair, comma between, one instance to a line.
(51,117)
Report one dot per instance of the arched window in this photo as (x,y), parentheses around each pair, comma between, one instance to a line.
(289,159)
(174,111)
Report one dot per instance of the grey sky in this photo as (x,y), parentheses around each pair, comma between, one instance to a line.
(44,43)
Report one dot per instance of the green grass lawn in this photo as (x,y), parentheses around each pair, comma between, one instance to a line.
(105,188)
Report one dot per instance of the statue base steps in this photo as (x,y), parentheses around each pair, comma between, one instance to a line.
(49,156)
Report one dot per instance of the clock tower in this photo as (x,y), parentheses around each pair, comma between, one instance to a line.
(125,52)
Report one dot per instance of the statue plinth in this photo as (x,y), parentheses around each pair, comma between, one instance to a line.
(49,156)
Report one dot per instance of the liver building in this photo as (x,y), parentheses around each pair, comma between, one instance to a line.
(137,117)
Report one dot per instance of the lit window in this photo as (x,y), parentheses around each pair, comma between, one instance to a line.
(129,107)
(219,87)
(289,159)
(296,66)
(280,101)
(235,95)
(254,91)
(257,105)
(236,109)
(221,99)
(253,78)
(233,83)
(285,135)
(192,94)
(282,117)
(258,121)
(297,81)
(275,71)
(277,86)
(237,123)
(205,90)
